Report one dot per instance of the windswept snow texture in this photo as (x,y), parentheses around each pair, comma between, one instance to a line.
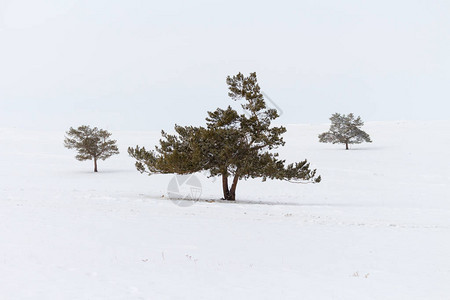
(377,227)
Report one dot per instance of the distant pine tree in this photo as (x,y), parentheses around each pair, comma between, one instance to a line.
(91,143)
(233,145)
(345,129)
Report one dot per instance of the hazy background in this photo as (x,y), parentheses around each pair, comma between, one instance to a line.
(149,64)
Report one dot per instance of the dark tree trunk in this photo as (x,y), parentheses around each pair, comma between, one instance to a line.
(95,165)
(229,194)
(226,191)
(346,146)
(233,188)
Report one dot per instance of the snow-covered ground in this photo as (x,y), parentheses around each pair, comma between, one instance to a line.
(376,227)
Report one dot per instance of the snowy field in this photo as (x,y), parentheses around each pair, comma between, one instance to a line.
(376,227)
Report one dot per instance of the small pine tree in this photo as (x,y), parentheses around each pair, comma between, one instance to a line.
(345,129)
(91,143)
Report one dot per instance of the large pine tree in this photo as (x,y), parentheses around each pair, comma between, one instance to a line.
(231,145)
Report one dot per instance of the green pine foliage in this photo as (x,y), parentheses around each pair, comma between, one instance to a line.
(345,129)
(233,145)
(90,143)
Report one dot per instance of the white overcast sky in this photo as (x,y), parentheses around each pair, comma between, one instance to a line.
(139,64)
